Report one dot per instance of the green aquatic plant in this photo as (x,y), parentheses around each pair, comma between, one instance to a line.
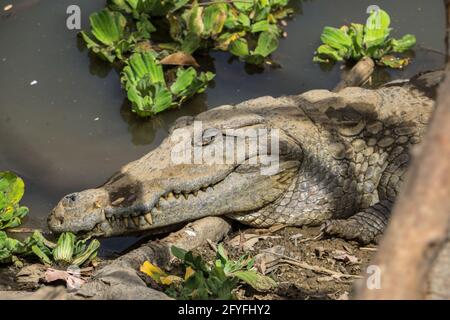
(127,29)
(356,41)
(67,251)
(201,280)
(12,189)
(143,79)
(108,28)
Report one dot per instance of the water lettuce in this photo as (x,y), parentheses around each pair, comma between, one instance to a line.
(12,189)
(123,33)
(356,41)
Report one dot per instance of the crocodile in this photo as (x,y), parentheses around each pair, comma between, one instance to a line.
(341,160)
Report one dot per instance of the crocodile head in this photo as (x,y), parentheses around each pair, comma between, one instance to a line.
(187,177)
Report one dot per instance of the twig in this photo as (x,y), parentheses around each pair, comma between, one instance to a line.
(317,269)
(317,237)
(212,245)
(26,230)
(368,249)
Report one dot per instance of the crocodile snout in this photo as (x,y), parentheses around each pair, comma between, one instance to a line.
(70,213)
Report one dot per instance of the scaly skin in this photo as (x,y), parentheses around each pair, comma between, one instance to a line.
(342,160)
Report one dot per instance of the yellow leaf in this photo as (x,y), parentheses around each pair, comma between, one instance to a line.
(152,271)
(189,273)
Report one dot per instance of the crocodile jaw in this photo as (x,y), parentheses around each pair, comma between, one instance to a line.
(249,191)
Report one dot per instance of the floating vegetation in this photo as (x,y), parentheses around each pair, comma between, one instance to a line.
(12,189)
(154,43)
(356,41)
(67,251)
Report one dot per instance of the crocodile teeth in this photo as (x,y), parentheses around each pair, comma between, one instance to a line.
(135,221)
(195,193)
(204,189)
(170,196)
(185,195)
(126,222)
(118,201)
(176,195)
(209,189)
(148,218)
(142,221)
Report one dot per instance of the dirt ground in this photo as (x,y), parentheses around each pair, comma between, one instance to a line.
(303,266)
(293,245)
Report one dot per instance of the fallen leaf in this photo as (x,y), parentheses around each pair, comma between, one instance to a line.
(73,280)
(180,59)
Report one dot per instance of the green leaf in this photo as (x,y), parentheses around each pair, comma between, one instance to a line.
(256,280)
(86,255)
(141,65)
(190,43)
(404,44)
(108,26)
(9,247)
(239,48)
(12,189)
(244,5)
(64,248)
(163,99)
(377,29)
(214,19)
(145,27)
(267,43)
(244,20)
(154,8)
(325,53)
(41,255)
(185,78)
(336,39)
(194,20)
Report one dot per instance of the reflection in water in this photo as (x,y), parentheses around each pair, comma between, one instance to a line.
(143,130)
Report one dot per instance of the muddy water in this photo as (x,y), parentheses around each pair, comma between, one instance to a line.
(72,128)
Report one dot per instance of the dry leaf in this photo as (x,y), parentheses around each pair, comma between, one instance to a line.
(73,281)
(180,59)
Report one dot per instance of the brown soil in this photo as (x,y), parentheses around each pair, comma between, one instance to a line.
(295,282)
